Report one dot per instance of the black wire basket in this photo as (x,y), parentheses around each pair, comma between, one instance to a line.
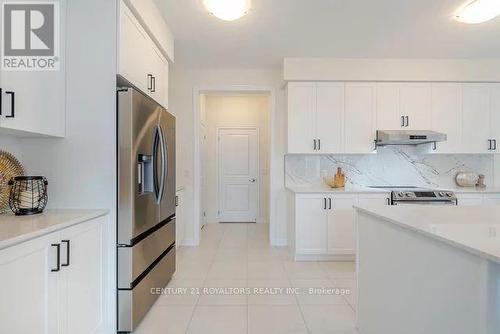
(28,195)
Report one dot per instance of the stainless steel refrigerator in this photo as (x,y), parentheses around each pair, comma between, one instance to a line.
(146,204)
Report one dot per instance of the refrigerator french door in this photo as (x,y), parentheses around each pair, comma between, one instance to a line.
(146,204)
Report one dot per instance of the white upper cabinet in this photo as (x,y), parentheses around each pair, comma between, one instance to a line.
(330,117)
(389,116)
(416,105)
(476,118)
(447,115)
(301,117)
(495,117)
(140,61)
(33,103)
(315,117)
(360,117)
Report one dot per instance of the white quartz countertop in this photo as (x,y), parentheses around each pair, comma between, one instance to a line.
(17,229)
(475,229)
(361,189)
(326,189)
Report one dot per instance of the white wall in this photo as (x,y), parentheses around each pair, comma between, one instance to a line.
(183,83)
(236,111)
(81,168)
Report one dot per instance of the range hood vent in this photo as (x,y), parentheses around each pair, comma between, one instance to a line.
(408,137)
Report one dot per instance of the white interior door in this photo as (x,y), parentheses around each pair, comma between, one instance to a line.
(238,155)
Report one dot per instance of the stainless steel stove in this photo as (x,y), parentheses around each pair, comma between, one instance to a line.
(403,195)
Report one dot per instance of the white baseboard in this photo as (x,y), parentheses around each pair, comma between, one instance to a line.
(279,242)
(324,257)
(186,242)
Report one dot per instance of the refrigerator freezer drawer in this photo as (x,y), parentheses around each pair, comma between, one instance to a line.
(133,261)
(134,304)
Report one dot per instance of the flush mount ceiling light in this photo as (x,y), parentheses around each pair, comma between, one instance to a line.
(479,11)
(228,10)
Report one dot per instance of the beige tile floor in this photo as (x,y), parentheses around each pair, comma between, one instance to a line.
(239,256)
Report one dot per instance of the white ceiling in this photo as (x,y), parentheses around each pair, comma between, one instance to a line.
(326,28)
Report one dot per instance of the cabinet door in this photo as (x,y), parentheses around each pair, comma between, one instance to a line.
(341,232)
(83,288)
(447,115)
(374,199)
(389,116)
(301,117)
(470,199)
(29,297)
(330,117)
(495,116)
(360,117)
(311,219)
(416,104)
(491,199)
(38,103)
(134,50)
(159,71)
(476,118)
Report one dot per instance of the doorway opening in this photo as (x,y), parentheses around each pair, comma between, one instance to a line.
(234,157)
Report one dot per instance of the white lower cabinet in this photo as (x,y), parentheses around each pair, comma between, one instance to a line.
(55,283)
(324,224)
(473,199)
(29,298)
(341,233)
(312,224)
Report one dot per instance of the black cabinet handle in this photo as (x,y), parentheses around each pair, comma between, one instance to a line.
(13,101)
(489,145)
(494,144)
(324,202)
(150,82)
(58,248)
(434,146)
(402,121)
(153,84)
(68,246)
(314,144)
(388,201)
(319,144)
(329,203)
(407,121)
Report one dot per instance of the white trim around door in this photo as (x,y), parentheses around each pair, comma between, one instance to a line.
(197,91)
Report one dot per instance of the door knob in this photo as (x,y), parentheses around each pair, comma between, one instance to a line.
(253,180)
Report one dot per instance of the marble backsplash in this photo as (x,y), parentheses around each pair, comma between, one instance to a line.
(393,165)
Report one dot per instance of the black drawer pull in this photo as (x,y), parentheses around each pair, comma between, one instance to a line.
(58,248)
(68,253)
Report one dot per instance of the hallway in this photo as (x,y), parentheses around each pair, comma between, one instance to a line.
(232,257)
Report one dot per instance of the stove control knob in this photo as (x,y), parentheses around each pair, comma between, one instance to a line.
(400,194)
(441,194)
(408,194)
(449,194)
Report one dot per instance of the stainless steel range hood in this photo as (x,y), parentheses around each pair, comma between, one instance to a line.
(408,137)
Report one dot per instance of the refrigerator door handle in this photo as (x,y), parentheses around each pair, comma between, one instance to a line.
(156,188)
(163,178)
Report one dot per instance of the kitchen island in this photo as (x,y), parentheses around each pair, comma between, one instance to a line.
(423,269)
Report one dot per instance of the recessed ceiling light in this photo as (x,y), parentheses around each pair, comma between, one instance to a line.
(228,10)
(479,11)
